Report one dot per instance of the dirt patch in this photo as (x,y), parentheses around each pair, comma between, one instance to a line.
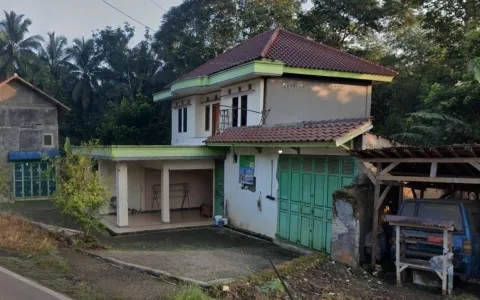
(85,278)
(327,280)
(114,281)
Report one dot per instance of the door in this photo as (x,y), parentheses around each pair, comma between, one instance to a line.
(215,118)
(219,187)
(306,185)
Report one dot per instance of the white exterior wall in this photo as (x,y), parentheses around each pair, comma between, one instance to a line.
(242,209)
(185,138)
(255,99)
(107,171)
(205,100)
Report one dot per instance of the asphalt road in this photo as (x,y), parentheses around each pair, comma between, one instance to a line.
(16,287)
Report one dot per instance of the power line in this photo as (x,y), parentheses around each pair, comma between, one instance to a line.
(123,13)
(153,1)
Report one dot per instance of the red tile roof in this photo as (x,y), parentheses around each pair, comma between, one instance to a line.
(294,51)
(311,131)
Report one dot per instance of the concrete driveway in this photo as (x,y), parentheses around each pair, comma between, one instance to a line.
(204,254)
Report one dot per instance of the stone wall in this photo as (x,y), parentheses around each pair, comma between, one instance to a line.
(350,223)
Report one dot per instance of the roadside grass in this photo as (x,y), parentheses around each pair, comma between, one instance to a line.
(190,292)
(19,235)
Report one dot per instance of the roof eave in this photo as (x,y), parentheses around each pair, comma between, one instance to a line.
(338,74)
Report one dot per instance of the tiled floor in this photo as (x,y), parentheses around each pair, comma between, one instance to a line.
(152,221)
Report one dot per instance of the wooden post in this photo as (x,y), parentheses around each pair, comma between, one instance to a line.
(444,265)
(397,255)
(376,199)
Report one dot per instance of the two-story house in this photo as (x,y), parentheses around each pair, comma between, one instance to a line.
(260,133)
(28,133)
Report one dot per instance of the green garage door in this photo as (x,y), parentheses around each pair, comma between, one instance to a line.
(306,185)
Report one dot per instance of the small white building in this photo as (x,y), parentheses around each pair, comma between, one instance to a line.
(259,133)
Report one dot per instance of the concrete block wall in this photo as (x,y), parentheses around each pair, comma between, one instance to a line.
(350,207)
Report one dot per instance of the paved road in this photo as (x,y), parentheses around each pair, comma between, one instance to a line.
(16,287)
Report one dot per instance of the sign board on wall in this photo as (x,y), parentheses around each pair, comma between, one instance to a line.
(247,169)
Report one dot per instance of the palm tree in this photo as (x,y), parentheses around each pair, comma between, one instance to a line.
(16,52)
(86,68)
(54,55)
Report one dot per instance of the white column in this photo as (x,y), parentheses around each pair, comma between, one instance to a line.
(122,194)
(165,201)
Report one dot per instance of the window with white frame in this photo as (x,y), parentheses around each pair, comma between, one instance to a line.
(47,140)
(239,111)
(182,119)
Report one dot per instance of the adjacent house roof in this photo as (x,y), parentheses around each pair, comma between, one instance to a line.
(294,51)
(304,132)
(62,107)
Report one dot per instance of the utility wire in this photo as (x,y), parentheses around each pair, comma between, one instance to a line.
(123,13)
(153,1)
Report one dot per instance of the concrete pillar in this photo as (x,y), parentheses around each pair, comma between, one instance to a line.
(165,201)
(122,194)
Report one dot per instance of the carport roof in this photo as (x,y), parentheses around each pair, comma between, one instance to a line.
(158,152)
(456,164)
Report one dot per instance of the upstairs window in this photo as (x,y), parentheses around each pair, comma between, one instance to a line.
(235,112)
(243,113)
(182,119)
(207,117)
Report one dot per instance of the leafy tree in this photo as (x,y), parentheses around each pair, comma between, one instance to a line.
(17,53)
(86,68)
(80,192)
(143,122)
(255,17)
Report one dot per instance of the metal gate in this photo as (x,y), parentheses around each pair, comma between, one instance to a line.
(306,185)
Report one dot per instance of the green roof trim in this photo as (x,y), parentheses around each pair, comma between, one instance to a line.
(337,74)
(161,152)
(257,67)
(260,67)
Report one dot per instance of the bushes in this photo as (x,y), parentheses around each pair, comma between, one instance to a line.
(80,192)
(190,293)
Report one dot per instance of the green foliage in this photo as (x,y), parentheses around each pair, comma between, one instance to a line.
(17,53)
(190,292)
(80,191)
(138,123)
(271,287)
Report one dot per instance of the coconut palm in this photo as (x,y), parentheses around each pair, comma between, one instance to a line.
(17,53)
(54,55)
(86,67)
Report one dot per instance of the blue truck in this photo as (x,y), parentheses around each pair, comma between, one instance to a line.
(466,241)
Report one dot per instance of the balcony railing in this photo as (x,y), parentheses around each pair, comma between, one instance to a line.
(225,121)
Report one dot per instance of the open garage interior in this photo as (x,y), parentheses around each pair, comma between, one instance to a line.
(139,201)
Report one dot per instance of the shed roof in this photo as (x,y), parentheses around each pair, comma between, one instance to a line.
(455,164)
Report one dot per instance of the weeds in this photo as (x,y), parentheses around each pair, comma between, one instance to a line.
(19,235)
(190,292)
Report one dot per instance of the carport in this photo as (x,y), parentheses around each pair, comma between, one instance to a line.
(453,169)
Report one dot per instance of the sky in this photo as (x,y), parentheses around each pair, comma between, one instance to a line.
(78,18)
